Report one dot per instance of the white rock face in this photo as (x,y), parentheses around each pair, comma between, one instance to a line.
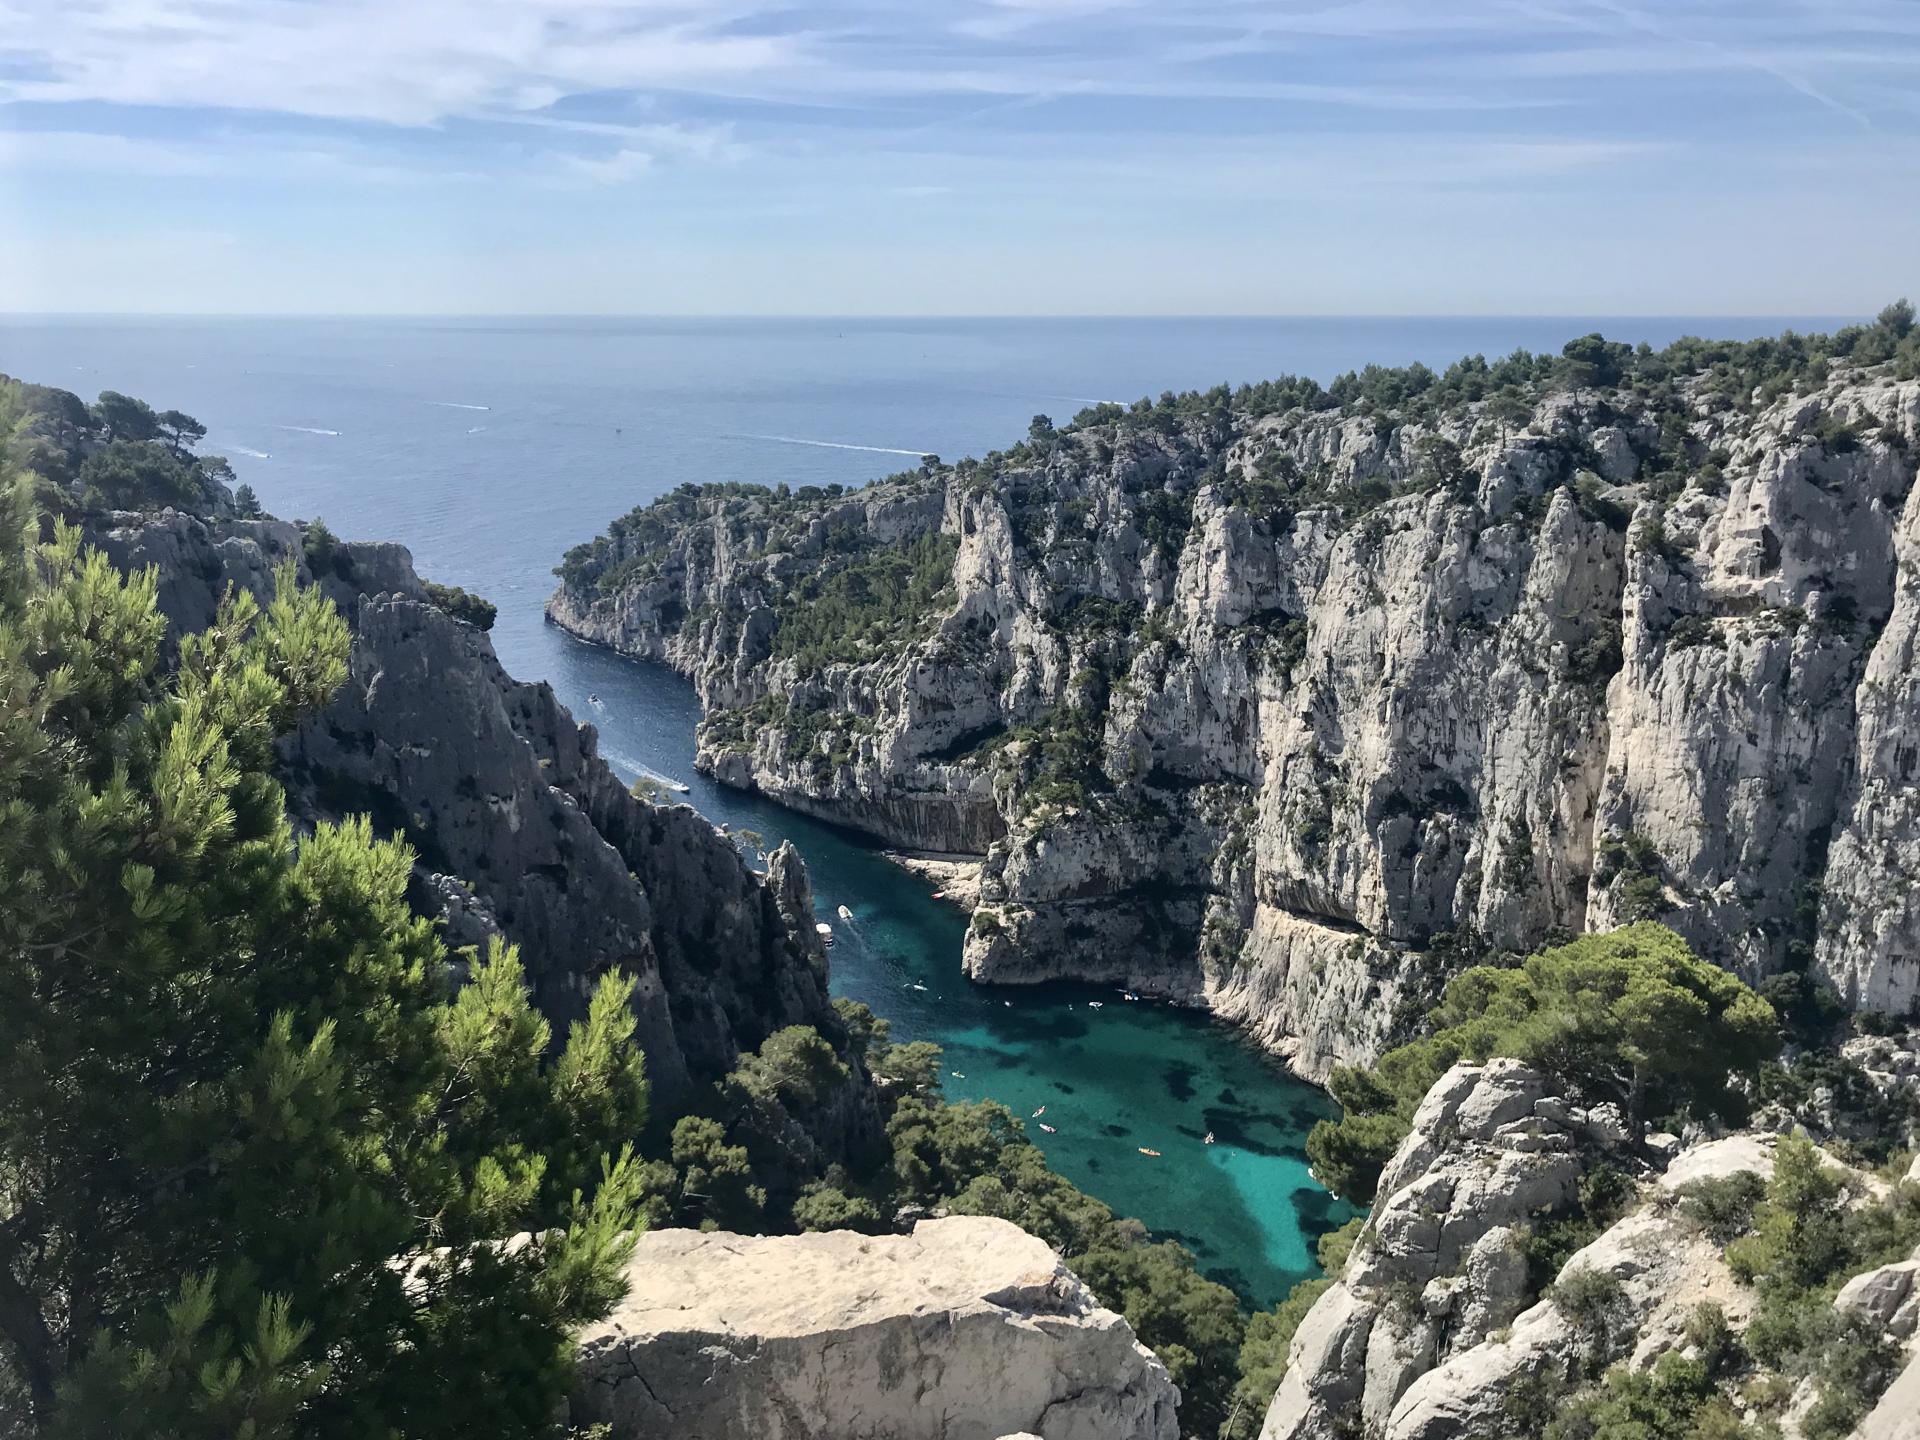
(1717,1159)
(1897,1416)
(1888,1298)
(967,1329)
(1337,713)
(1435,1330)
(1492,1148)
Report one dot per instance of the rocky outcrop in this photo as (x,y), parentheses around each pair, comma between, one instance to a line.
(1291,714)
(1888,1299)
(1441,1264)
(967,1329)
(519,827)
(1439,1326)
(1897,1416)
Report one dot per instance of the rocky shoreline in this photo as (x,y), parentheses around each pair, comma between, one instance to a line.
(1294,714)
(956,877)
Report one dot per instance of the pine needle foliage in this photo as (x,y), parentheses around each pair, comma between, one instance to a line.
(263,1171)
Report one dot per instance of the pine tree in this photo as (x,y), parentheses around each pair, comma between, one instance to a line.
(259,1164)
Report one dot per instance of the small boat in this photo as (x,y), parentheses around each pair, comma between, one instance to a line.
(1096,1004)
(666,781)
(594,700)
(1144,1151)
(919,987)
(956,1074)
(1007,1003)
(939,894)
(1208,1139)
(1041,1111)
(1130,995)
(825,932)
(1048,1128)
(845,914)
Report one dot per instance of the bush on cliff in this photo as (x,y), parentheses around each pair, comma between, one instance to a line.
(1817,1227)
(1632,1017)
(255,1160)
(880,597)
(468,608)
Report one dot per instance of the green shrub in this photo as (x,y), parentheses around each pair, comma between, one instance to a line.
(1675,1400)
(1591,1299)
(467,608)
(322,547)
(878,598)
(1348,1154)
(1263,1359)
(1333,1248)
(1632,1017)
(1722,1206)
(1709,1333)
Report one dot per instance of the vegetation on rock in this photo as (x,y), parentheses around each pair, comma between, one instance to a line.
(1631,1017)
(468,609)
(880,597)
(257,1161)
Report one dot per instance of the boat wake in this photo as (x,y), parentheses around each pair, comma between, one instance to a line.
(253,454)
(456,405)
(834,445)
(627,762)
(307,429)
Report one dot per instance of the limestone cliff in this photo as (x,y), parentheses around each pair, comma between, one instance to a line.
(1441,1325)
(967,1329)
(520,828)
(1290,707)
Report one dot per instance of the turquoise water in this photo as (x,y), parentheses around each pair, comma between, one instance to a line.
(1113,1079)
(490,446)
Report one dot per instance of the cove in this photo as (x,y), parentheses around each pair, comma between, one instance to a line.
(1114,1079)
(489,446)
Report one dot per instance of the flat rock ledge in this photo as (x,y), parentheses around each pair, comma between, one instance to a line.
(956,878)
(967,1329)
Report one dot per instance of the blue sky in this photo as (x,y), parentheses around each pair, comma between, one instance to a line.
(960,156)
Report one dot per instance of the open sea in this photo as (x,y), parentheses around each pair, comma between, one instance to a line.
(490,446)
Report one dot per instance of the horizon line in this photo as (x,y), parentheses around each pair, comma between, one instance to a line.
(623,315)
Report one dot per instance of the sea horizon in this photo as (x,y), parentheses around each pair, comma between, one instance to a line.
(953,317)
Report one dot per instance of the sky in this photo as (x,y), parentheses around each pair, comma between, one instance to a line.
(956,157)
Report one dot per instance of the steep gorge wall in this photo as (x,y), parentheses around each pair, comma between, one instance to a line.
(1293,715)
(520,827)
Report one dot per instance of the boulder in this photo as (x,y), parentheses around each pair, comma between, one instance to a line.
(1887,1298)
(1718,1159)
(1489,1147)
(1478,1395)
(967,1329)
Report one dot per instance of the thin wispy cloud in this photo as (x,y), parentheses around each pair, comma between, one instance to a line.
(726,132)
(428,61)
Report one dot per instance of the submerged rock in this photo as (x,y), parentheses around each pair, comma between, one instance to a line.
(967,1329)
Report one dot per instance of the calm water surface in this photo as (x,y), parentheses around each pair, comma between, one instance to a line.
(489,447)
